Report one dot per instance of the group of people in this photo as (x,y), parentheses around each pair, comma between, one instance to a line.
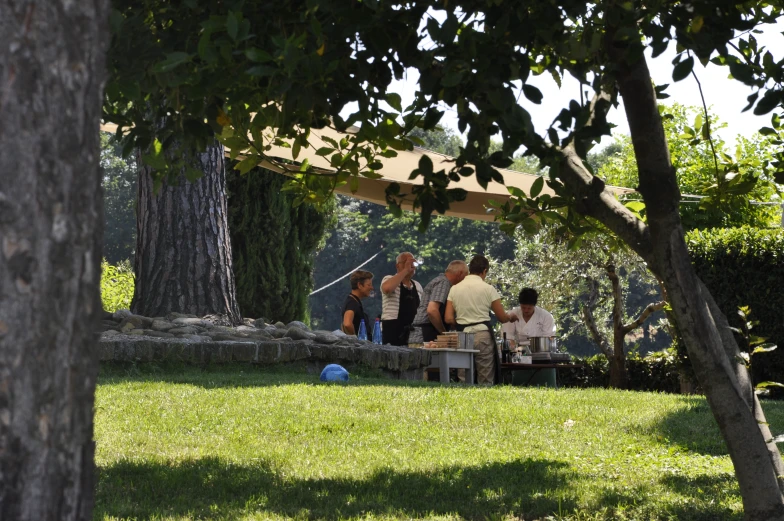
(459,298)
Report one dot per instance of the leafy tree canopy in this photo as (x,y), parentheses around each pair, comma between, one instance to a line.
(727,188)
(239,69)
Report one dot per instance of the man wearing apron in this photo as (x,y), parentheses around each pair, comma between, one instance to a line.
(400,296)
(468,307)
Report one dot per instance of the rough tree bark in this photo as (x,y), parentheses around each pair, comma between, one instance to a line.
(52,71)
(183,251)
(711,348)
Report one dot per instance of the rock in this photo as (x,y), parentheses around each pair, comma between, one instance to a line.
(248,322)
(339,333)
(161,325)
(324,337)
(159,334)
(246,329)
(136,332)
(222,337)
(172,316)
(127,326)
(109,324)
(259,323)
(297,323)
(107,315)
(137,320)
(218,320)
(187,330)
(349,340)
(109,333)
(276,333)
(191,321)
(280,325)
(196,338)
(297,333)
(120,314)
(259,334)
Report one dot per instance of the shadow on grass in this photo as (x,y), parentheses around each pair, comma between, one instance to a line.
(212,488)
(694,428)
(715,487)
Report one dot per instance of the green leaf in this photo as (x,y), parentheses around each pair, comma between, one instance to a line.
(172,61)
(394,101)
(295,149)
(635,206)
(515,191)
(536,188)
(155,157)
(682,69)
(330,141)
(763,385)
(324,151)
(532,93)
(354,184)
(246,165)
(232,25)
(765,348)
(255,54)
(768,102)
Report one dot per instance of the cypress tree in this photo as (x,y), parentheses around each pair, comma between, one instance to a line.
(273,246)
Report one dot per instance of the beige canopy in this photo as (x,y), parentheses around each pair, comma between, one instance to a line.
(476,205)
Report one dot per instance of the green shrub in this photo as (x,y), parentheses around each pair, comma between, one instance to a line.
(117,284)
(658,371)
(745,267)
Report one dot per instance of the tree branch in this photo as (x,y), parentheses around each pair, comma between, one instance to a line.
(617,294)
(649,309)
(590,322)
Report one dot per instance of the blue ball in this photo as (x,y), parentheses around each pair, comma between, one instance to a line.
(334,373)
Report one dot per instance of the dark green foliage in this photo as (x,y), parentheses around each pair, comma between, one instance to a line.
(273,246)
(659,371)
(119,197)
(745,267)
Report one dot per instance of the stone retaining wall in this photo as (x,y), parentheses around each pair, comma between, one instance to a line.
(184,338)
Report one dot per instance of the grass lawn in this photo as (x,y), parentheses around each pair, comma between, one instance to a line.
(240,442)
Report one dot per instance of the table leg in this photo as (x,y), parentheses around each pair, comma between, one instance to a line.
(443,367)
(470,372)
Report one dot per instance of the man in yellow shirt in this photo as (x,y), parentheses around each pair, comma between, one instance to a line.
(468,307)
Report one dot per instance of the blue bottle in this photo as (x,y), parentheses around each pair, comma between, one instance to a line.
(362,333)
(377,332)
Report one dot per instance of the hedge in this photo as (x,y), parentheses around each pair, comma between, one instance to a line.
(659,371)
(745,267)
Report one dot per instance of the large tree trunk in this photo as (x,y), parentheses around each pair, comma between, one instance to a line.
(183,251)
(52,71)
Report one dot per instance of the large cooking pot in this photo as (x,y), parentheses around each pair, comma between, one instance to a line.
(543,344)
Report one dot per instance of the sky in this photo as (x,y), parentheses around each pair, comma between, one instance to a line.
(725,97)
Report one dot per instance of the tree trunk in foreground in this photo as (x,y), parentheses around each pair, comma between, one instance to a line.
(52,71)
(711,347)
(183,251)
(725,380)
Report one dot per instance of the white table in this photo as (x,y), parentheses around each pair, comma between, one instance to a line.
(446,359)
